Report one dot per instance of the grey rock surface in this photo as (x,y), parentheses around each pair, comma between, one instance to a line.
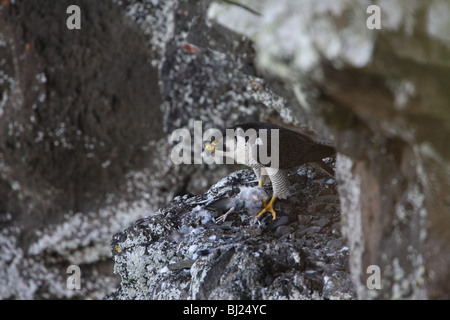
(180,252)
(382,92)
(86,118)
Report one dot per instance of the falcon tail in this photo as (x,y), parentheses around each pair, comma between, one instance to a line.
(317,155)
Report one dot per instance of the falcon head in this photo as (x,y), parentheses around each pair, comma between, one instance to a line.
(237,144)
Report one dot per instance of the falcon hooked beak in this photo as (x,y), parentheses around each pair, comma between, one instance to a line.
(212,146)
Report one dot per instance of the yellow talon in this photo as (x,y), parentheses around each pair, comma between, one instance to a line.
(268,207)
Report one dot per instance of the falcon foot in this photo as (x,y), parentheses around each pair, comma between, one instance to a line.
(268,207)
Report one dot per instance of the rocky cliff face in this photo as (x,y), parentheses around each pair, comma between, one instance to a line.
(86,116)
(383,92)
(181,252)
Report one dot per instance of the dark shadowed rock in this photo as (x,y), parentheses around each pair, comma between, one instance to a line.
(77,114)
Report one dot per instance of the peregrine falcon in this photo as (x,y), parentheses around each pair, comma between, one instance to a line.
(270,150)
